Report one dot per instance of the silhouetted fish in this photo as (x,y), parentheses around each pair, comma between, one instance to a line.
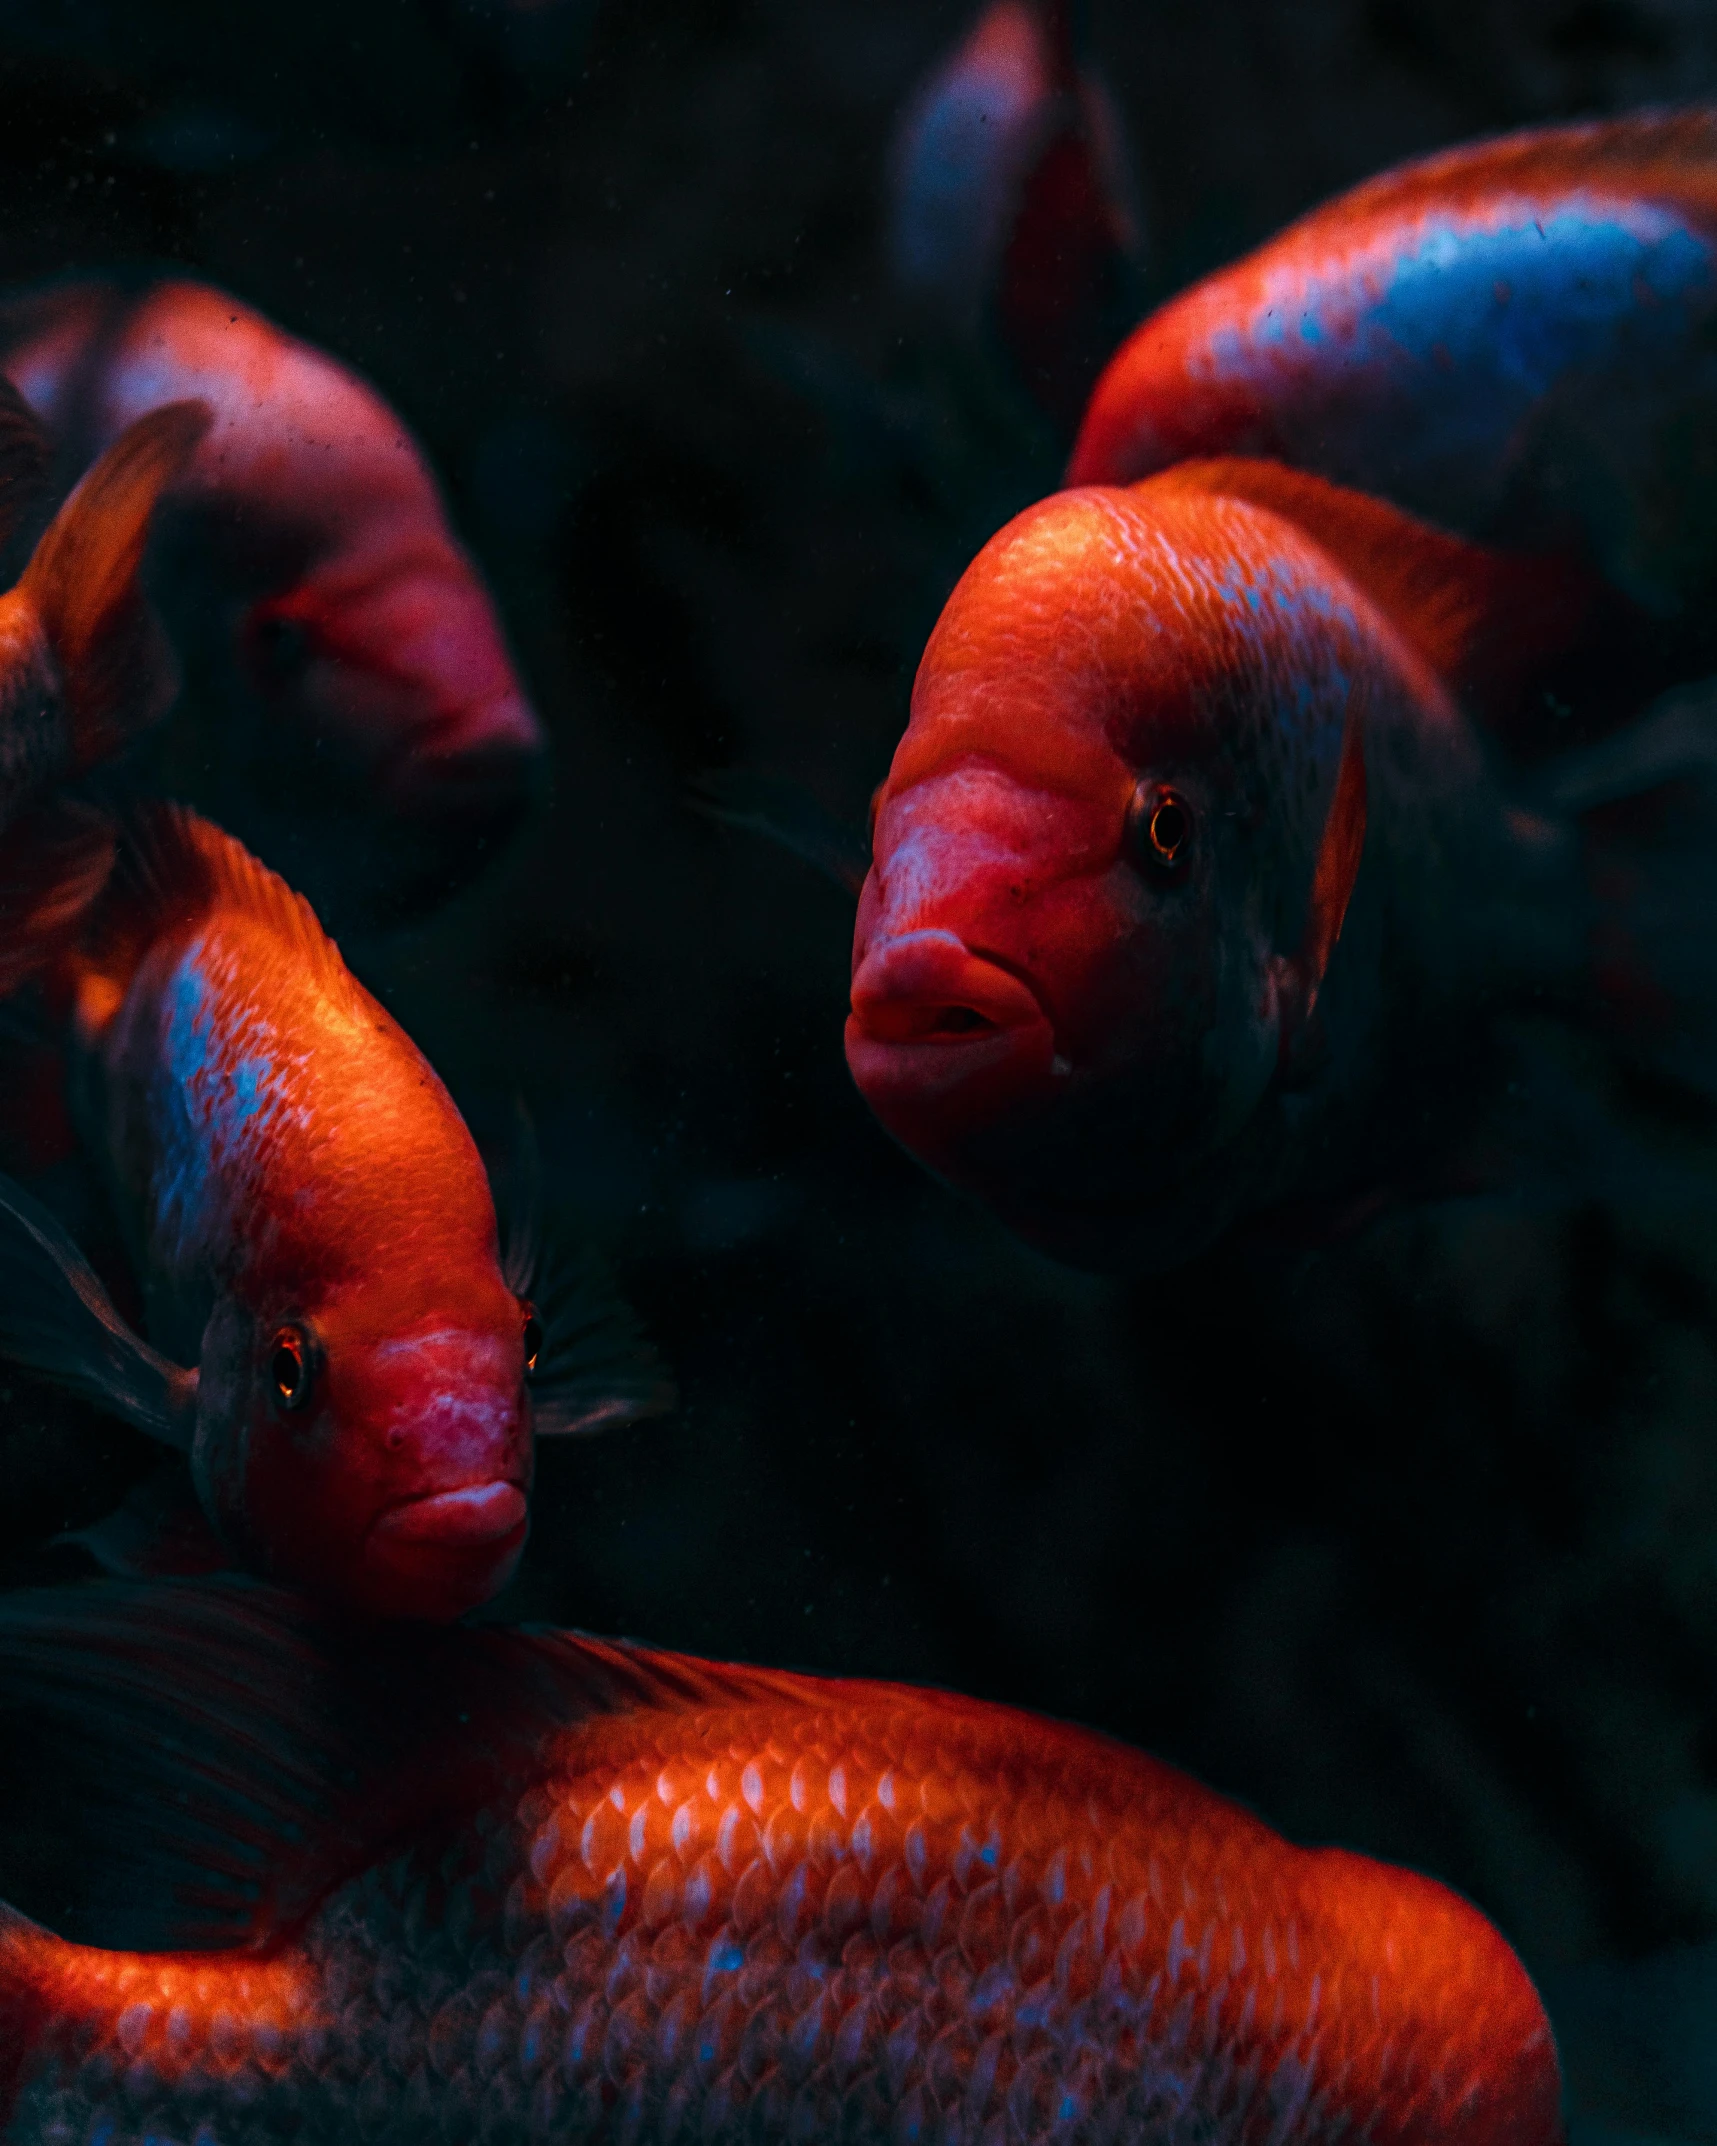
(506,1886)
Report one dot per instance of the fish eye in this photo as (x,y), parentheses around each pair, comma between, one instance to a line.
(1159,827)
(533,1336)
(289,1368)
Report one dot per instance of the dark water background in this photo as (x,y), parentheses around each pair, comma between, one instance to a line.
(1412,1544)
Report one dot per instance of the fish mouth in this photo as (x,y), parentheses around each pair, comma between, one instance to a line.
(930,987)
(944,1038)
(477,1517)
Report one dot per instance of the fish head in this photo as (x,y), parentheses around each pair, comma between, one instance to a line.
(1066,967)
(398,671)
(376,1446)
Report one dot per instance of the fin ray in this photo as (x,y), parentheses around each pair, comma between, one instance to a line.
(787,814)
(82,581)
(211,1758)
(58,1320)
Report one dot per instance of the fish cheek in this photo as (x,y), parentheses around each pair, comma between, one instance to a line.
(262,1477)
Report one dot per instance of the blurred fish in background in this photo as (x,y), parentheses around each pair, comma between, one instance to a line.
(1014,211)
(371,733)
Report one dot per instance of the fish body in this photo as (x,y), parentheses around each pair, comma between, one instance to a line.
(1012,205)
(1515,339)
(721,1904)
(299,1190)
(364,641)
(1167,745)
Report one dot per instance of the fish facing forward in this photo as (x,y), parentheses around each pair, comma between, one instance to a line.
(1168,745)
(531,1887)
(1516,339)
(352,1368)
(82,667)
(363,633)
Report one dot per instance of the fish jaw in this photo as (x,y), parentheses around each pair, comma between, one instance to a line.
(433,1558)
(939,1032)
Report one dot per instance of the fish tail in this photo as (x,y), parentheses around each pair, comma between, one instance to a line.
(1644,804)
(83,587)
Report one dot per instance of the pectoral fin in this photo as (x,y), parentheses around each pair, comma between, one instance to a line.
(57,1319)
(1300,978)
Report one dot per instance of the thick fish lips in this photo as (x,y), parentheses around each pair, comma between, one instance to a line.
(943,1040)
(460,1450)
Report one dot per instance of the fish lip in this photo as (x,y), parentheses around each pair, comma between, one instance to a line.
(912,976)
(473,1516)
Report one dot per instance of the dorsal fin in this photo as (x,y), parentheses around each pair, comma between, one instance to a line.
(1485,621)
(1668,155)
(173,869)
(209,1758)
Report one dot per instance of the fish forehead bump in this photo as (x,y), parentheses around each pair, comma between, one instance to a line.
(1104,624)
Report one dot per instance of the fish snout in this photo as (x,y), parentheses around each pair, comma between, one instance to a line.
(942,1040)
(929,987)
(454,1509)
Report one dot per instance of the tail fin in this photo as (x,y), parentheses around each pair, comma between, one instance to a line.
(82,583)
(53,865)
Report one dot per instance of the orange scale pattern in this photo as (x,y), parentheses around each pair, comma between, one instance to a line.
(825,1913)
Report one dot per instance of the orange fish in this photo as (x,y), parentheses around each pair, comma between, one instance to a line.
(509,1886)
(352,1368)
(1516,339)
(364,642)
(82,667)
(1197,889)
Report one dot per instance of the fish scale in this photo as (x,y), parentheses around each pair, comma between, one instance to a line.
(831,1914)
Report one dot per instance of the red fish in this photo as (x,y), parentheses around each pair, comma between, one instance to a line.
(541,1887)
(82,669)
(1013,202)
(349,1358)
(365,639)
(1516,339)
(1167,746)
